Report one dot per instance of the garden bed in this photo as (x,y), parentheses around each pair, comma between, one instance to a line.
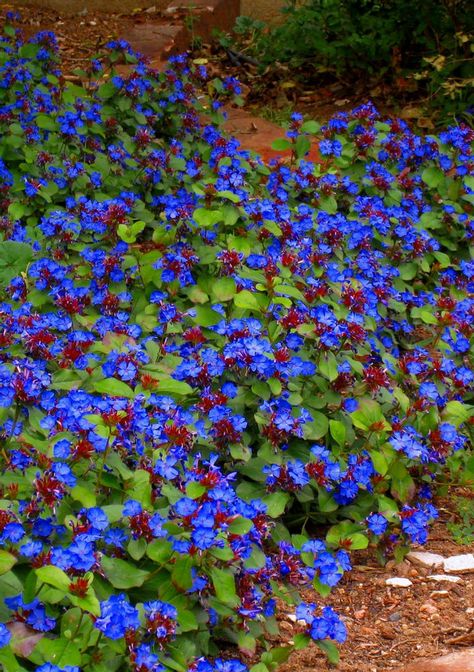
(127,287)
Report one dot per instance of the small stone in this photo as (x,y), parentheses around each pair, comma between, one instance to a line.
(386,631)
(291,617)
(459,564)
(395,617)
(425,559)
(444,577)
(440,593)
(360,614)
(428,608)
(398,582)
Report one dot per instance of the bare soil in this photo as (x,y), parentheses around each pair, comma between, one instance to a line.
(82,35)
(389,627)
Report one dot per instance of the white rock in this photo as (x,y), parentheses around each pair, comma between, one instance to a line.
(398,582)
(425,559)
(445,577)
(459,564)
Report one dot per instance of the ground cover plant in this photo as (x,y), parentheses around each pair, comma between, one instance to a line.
(217,377)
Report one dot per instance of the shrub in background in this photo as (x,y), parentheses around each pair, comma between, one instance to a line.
(382,38)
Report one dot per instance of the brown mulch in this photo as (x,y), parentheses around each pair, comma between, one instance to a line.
(81,36)
(387,626)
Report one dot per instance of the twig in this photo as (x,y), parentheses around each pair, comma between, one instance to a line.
(466,637)
(236,56)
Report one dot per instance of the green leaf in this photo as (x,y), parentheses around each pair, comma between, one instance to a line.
(457,412)
(60,652)
(88,602)
(276,503)
(337,429)
(160,551)
(229,195)
(328,366)
(256,560)
(122,574)
(46,122)
(247,300)
(54,576)
(168,385)
(240,526)
(16,210)
(139,487)
(425,314)
(136,548)
(246,643)
(224,585)
(223,289)
(330,649)
(358,541)
(301,641)
(379,461)
(187,620)
(8,662)
(408,271)
(328,204)
(14,260)
(206,317)
(182,572)
(207,218)
(433,177)
(369,413)
(310,127)
(323,589)
(281,145)
(194,489)
(114,388)
(302,146)
(317,428)
(7,560)
(326,502)
(86,496)
(275,385)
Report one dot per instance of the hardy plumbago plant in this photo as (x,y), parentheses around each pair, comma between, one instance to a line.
(217,377)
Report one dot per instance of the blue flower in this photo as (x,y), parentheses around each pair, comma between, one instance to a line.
(5,635)
(377,523)
(117,616)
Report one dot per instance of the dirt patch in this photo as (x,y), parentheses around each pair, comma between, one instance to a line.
(75,6)
(81,35)
(387,626)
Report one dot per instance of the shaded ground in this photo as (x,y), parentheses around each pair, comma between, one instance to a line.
(387,626)
(273,95)
(81,35)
